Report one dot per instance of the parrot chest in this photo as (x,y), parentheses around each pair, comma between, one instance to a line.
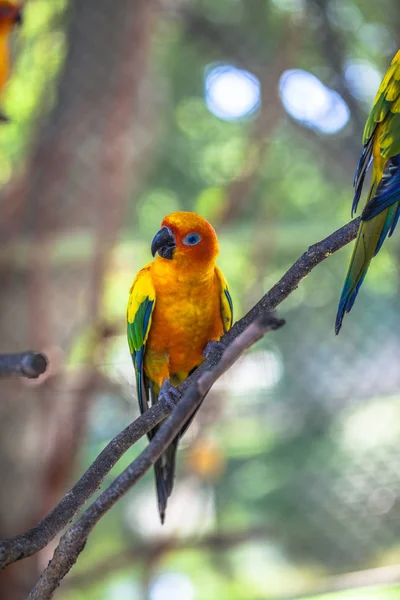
(186,317)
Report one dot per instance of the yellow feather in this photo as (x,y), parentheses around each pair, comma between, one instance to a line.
(226,307)
(392,90)
(395,108)
(142,288)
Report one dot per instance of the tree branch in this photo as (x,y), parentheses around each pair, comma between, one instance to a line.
(301,268)
(26,364)
(38,537)
(285,286)
(74,540)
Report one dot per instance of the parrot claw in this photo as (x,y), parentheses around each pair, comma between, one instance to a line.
(169,394)
(214,348)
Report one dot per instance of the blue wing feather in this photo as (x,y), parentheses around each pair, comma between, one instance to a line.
(362,168)
(395,220)
(137,358)
(389,225)
(387,196)
(387,192)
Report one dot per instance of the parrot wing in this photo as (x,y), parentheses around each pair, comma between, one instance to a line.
(387,194)
(384,124)
(386,99)
(142,298)
(226,301)
(141,304)
(379,218)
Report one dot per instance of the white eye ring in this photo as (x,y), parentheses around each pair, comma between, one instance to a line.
(191,239)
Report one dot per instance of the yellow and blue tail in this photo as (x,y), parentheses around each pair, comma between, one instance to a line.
(378,220)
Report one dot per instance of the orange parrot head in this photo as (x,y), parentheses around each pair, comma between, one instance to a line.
(186,239)
(10,15)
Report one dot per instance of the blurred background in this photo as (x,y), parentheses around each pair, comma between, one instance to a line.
(251,113)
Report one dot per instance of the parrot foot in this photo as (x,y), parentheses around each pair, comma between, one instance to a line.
(169,394)
(216,348)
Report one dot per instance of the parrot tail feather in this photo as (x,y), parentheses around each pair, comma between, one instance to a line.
(395,220)
(388,227)
(164,469)
(370,238)
(347,298)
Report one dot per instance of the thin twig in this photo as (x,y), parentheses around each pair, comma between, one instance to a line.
(38,537)
(26,364)
(74,540)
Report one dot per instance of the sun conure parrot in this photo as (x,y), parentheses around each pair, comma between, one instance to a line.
(381,146)
(177,305)
(10,15)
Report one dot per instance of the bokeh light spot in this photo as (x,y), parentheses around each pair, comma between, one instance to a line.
(172,586)
(257,370)
(345,15)
(378,39)
(231,93)
(363,79)
(292,6)
(372,426)
(309,101)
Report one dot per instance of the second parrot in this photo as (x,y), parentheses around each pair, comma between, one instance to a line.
(380,215)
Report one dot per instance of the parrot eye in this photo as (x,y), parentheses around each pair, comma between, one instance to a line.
(192,239)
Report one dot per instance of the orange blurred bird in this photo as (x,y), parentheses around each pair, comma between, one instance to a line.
(177,305)
(10,15)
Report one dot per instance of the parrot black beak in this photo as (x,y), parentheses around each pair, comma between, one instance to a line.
(164,243)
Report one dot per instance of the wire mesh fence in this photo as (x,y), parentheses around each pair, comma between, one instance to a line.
(124,112)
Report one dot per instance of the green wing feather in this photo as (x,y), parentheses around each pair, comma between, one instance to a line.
(142,297)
